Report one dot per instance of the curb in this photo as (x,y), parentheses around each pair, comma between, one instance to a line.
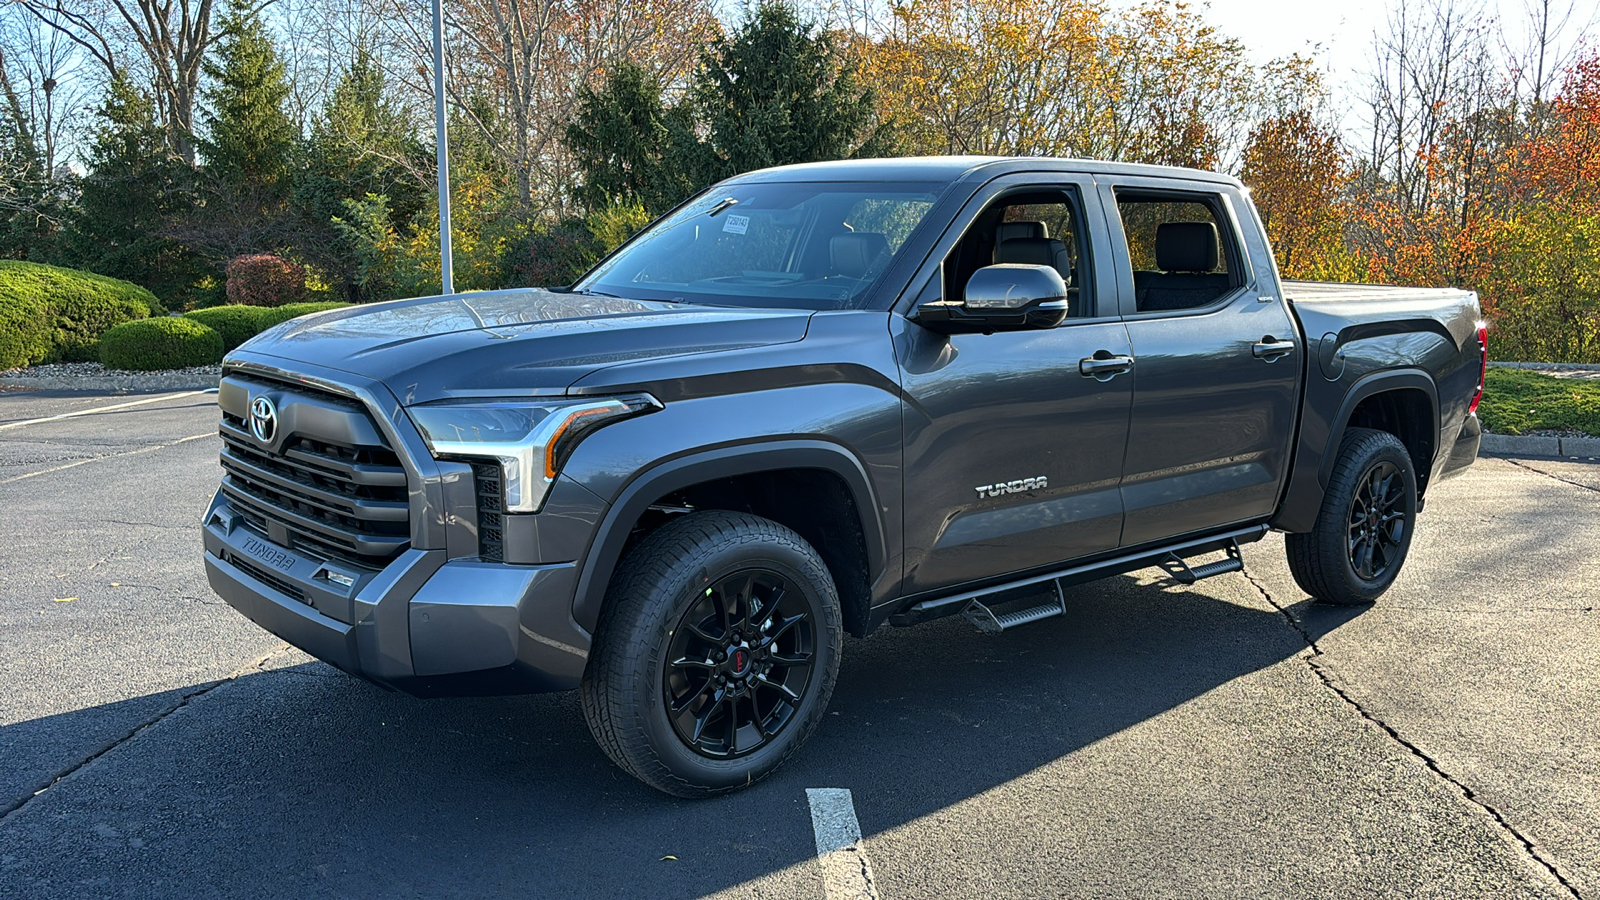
(1539,445)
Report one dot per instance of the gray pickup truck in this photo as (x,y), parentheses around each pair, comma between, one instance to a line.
(809,401)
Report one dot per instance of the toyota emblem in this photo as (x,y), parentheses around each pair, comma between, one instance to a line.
(263,419)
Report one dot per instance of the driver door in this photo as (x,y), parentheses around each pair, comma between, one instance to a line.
(1013,456)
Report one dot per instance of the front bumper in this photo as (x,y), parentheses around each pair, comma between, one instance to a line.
(423,624)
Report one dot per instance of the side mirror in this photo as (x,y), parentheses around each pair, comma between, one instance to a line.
(1004,297)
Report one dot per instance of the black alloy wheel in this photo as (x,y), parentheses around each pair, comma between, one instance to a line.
(1354,551)
(715,655)
(738,664)
(1377,521)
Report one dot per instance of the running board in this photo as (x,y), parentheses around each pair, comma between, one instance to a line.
(987,621)
(938,607)
(1181,572)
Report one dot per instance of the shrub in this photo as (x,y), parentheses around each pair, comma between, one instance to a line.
(265,280)
(49,313)
(236,324)
(282,314)
(555,255)
(164,343)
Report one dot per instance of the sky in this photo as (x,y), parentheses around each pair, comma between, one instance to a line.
(1339,33)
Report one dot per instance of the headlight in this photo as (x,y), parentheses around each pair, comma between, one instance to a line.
(530,439)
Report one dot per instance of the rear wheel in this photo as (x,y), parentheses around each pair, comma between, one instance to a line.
(716,654)
(1363,531)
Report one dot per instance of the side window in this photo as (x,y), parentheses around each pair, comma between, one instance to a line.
(1042,228)
(1180,250)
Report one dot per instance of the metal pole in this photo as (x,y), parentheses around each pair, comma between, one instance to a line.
(447,274)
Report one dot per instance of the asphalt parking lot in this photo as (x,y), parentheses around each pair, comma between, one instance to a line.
(1226,740)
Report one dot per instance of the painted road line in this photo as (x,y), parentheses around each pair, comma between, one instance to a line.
(846,874)
(101,409)
(83,462)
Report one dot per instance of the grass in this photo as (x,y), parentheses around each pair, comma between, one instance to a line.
(1517,401)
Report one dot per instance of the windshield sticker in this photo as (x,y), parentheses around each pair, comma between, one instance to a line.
(737,224)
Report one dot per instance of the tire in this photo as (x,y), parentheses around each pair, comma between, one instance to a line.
(1327,562)
(708,583)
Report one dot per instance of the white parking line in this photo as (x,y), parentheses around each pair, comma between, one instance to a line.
(846,874)
(100,409)
(83,462)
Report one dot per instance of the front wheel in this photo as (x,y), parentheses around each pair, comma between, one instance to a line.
(1363,530)
(716,654)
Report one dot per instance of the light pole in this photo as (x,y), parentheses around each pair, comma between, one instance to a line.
(447,275)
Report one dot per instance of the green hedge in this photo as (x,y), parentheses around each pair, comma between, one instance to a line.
(236,324)
(278,314)
(164,343)
(49,313)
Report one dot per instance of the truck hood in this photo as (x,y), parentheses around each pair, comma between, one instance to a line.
(514,342)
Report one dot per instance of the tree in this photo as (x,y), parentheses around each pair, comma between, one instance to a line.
(776,92)
(128,201)
(361,146)
(171,36)
(629,147)
(1296,170)
(249,147)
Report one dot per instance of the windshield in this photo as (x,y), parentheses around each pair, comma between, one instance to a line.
(805,245)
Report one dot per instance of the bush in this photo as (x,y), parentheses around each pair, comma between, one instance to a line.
(236,324)
(164,343)
(271,317)
(49,313)
(265,280)
(555,255)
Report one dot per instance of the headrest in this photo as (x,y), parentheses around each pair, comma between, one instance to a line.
(1033,251)
(1186,246)
(1010,231)
(854,254)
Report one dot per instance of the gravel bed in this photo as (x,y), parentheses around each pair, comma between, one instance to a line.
(92,376)
(1556,370)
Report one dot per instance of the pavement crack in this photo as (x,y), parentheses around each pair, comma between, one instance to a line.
(1312,661)
(39,787)
(1553,476)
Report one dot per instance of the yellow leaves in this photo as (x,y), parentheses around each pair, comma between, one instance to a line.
(64,599)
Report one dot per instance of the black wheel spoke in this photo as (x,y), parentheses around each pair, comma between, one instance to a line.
(700,633)
(686,663)
(688,699)
(704,719)
(789,660)
(779,687)
(785,625)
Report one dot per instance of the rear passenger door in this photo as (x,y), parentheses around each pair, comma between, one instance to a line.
(1217,361)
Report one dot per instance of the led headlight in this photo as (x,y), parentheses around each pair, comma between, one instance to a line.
(530,439)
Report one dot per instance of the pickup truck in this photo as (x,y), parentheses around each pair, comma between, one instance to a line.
(810,401)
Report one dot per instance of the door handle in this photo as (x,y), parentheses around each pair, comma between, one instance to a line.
(1270,348)
(1104,367)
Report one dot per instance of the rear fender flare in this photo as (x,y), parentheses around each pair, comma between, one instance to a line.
(747,459)
(1368,386)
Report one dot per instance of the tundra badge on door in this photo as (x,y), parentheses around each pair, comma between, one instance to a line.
(1037,483)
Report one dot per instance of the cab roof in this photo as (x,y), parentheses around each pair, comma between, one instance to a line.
(951,169)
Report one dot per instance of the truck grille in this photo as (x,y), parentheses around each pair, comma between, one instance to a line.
(334,493)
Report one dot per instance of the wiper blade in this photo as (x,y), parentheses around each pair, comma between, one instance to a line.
(722,204)
(588,292)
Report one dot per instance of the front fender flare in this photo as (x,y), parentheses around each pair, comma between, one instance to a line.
(708,465)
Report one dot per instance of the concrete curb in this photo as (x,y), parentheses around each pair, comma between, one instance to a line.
(1539,445)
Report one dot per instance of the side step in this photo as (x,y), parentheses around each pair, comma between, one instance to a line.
(1181,572)
(985,620)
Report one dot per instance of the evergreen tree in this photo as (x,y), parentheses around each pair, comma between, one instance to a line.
(250,142)
(360,149)
(630,147)
(129,200)
(776,92)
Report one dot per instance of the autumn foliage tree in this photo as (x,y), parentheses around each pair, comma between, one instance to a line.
(1298,171)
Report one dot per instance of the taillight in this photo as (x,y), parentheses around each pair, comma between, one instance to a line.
(1483,365)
